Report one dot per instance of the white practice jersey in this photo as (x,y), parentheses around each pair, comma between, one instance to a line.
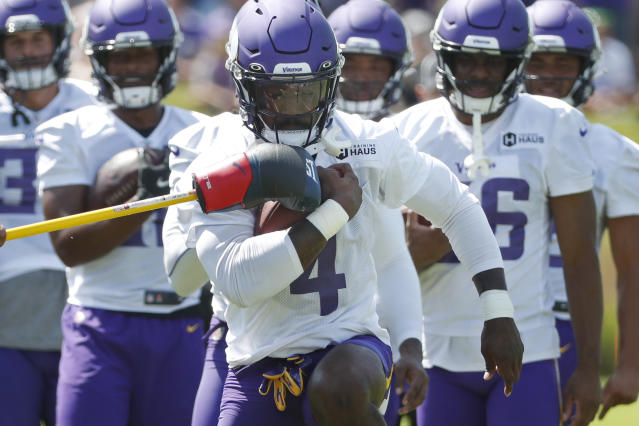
(616,194)
(334,299)
(537,149)
(389,250)
(20,203)
(74,146)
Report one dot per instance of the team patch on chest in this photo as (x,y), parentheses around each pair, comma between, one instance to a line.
(365,150)
(520,140)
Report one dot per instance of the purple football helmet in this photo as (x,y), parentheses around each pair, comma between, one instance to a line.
(114,25)
(559,26)
(32,73)
(284,61)
(371,27)
(481,27)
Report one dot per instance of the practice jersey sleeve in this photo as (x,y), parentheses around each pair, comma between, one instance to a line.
(245,268)
(398,298)
(622,197)
(181,263)
(570,169)
(449,205)
(60,158)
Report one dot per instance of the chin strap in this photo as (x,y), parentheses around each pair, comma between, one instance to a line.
(17,109)
(477,161)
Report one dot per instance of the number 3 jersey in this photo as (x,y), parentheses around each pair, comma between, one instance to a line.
(334,299)
(537,149)
(616,194)
(19,201)
(131,277)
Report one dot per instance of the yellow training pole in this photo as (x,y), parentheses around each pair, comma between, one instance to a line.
(100,214)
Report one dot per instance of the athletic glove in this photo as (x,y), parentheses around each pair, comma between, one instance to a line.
(265,172)
(153,174)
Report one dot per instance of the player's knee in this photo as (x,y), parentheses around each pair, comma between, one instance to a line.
(345,385)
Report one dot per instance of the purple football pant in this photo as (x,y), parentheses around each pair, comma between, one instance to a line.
(465,399)
(209,394)
(243,405)
(394,404)
(568,357)
(28,382)
(568,348)
(119,369)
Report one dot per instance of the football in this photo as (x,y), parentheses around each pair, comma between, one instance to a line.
(273,216)
(117,180)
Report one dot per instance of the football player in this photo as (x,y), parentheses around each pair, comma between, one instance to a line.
(34,59)
(132,350)
(526,158)
(301,314)
(562,66)
(376,48)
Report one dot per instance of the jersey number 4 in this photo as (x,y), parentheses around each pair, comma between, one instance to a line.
(490,191)
(326,283)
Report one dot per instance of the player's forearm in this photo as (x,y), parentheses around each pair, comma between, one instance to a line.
(399,302)
(624,241)
(249,270)
(308,242)
(628,318)
(472,239)
(181,264)
(85,243)
(583,286)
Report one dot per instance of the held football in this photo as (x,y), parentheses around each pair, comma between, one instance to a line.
(273,216)
(117,180)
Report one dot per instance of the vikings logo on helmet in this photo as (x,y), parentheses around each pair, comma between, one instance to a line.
(562,27)
(114,25)
(35,72)
(372,27)
(286,82)
(481,27)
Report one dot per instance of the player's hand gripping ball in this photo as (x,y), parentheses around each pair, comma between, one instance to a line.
(134,172)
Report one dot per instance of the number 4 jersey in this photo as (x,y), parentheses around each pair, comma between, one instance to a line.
(537,149)
(131,277)
(334,299)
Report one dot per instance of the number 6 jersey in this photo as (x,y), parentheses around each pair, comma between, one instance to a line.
(536,150)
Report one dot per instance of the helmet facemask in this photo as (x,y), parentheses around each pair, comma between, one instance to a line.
(495,96)
(135,90)
(582,85)
(286,108)
(35,72)
(372,98)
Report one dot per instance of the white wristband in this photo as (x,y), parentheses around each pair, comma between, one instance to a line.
(496,304)
(328,218)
